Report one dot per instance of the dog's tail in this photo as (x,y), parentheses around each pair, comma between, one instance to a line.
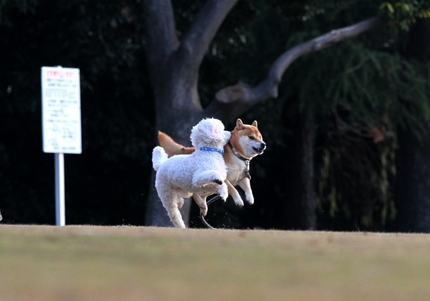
(159,156)
(171,147)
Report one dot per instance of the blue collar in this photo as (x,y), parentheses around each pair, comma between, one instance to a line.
(212,149)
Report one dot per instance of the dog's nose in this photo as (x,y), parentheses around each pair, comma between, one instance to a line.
(263,145)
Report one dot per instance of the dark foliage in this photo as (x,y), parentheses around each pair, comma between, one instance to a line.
(106,184)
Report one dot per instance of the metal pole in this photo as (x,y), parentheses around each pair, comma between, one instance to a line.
(60,215)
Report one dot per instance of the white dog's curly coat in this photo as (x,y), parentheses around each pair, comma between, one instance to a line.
(201,173)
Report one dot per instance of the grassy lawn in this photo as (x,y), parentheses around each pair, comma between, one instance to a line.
(142,263)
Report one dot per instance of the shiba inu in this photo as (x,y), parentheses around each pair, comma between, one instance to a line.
(245,143)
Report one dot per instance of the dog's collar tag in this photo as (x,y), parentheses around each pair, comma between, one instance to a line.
(247,173)
(212,149)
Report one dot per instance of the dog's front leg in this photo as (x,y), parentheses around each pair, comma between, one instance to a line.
(245,184)
(234,194)
(201,203)
(223,191)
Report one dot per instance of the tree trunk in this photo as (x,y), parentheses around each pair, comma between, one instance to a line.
(308,198)
(413,156)
(300,206)
(413,183)
(174,70)
(176,122)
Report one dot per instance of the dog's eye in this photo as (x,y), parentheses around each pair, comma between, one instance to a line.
(251,137)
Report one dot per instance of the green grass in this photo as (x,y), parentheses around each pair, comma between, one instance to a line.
(141,263)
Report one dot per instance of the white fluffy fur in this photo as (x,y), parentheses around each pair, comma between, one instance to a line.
(200,173)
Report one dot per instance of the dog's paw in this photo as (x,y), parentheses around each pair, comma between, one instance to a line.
(203,211)
(249,197)
(179,223)
(224,196)
(239,202)
(223,192)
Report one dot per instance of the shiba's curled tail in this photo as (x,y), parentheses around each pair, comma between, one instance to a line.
(171,147)
(159,156)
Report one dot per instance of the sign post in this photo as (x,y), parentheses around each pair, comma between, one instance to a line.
(61,124)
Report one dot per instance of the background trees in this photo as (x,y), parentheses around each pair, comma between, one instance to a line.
(331,131)
(104,185)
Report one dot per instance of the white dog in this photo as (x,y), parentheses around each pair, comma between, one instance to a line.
(201,173)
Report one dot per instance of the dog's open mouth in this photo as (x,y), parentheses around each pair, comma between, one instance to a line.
(259,150)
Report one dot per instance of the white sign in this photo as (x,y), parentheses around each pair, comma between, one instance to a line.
(61,110)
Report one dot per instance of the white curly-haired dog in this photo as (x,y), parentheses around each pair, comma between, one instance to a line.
(201,173)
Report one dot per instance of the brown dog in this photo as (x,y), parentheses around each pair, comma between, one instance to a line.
(245,143)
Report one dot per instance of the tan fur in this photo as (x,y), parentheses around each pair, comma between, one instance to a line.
(171,147)
(236,168)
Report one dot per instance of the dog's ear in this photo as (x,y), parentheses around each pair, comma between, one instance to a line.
(255,123)
(239,124)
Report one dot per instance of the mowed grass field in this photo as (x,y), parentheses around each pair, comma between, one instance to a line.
(144,263)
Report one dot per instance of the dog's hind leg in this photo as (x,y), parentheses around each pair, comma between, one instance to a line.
(201,203)
(172,202)
(175,216)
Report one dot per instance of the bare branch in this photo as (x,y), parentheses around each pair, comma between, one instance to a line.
(204,27)
(319,43)
(239,98)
